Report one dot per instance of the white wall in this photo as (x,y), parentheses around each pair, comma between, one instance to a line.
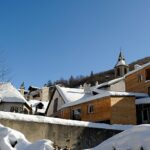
(119,86)
(60,103)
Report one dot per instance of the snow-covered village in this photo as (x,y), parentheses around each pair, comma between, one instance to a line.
(74,75)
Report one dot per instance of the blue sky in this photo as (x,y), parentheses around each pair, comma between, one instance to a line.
(50,39)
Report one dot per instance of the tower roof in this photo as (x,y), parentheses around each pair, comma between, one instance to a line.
(121,60)
(121,56)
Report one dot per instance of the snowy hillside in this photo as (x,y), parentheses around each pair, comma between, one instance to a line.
(136,138)
(14,140)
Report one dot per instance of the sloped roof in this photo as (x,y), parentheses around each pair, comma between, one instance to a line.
(145,100)
(8,93)
(70,94)
(102,94)
(74,96)
(109,82)
(121,60)
(137,69)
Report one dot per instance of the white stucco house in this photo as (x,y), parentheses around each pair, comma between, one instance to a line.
(12,101)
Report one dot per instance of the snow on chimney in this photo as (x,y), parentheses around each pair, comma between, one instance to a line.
(136,66)
(87,88)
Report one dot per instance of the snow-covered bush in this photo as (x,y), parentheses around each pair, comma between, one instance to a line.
(13,140)
(136,138)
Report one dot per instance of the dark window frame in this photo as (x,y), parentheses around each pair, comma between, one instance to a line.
(147,74)
(55,105)
(90,108)
(145,115)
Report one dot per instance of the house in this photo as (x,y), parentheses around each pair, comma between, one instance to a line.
(138,80)
(36,93)
(61,96)
(12,101)
(94,105)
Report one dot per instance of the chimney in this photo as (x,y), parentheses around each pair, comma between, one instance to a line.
(136,66)
(87,88)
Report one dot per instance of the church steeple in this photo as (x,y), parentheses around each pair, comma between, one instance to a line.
(121,67)
(121,57)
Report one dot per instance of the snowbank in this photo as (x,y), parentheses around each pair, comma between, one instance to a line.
(51,120)
(135,138)
(13,140)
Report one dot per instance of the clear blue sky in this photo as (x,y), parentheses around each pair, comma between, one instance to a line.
(50,39)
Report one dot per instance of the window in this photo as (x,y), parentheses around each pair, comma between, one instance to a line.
(55,105)
(76,114)
(16,109)
(149,91)
(125,70)
(140,78)
(12,109)
(90,108)
(145,115)
(118,72)
(147,73)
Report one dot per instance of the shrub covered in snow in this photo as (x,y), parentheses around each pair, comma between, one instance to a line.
(13,140)
(136,138)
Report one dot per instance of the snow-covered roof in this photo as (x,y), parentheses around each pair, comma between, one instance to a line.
(34,103)
(109,82)
(121,62)
(51,120)
(145,100)
(8,93)
(33,87)
(70,94)
(102,94)
(138,68)
(74,96)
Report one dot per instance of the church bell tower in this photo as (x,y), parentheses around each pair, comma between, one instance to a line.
(121,67)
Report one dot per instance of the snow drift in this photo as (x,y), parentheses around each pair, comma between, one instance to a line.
(136,138)
(13,140)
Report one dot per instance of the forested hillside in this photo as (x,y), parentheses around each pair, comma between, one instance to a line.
(92,78)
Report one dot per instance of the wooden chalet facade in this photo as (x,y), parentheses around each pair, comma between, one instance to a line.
(105,106)
(138,80)
(110,109)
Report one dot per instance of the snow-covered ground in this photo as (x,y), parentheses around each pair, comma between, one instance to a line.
(13,140)
(136,138)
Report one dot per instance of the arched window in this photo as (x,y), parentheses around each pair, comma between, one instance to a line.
(118,71)
(55,105)
(125,70)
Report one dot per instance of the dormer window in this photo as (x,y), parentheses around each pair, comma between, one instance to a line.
(147,73)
